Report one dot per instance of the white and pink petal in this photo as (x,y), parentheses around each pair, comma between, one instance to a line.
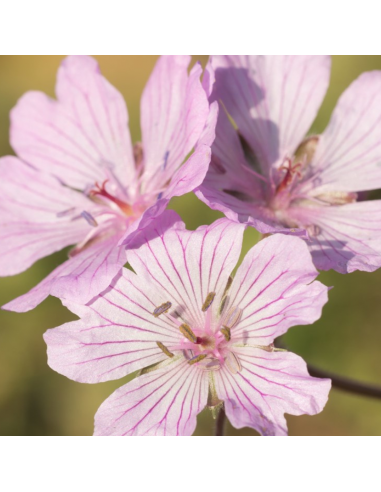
(274,288)
(174,112)
(273,99)
(186,266)
(348,156)
(82,137)
(116,335)
(164,402)
(80,278)
(345,238)
(38,216)
(268,386)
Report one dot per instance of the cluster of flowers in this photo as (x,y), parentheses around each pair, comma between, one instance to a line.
(236,137)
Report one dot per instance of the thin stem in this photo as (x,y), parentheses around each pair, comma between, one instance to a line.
(220,424)
(346,384)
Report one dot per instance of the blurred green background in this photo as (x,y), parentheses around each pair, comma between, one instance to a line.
(34,400)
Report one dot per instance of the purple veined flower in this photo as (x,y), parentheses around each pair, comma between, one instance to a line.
(267,174)
(199,337)
(78,180)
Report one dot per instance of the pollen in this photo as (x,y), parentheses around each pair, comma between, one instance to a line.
(208,301)
(188,333)
(226,333)
(164,308)
(164,349)
(197,359)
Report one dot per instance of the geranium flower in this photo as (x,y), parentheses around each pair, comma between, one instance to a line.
(78,179)
(267,174)
(199,337)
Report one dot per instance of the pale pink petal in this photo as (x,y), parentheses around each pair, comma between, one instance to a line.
(81,138)
(190,175)
(270,385)
(186,266)
(174,110)
(274,288)
(348,237)
(80,278)
(164,402)
(116,335)
(348,157)
(34,218)
(273,99)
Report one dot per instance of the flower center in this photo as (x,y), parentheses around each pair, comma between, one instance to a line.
(100,191)
(210,346)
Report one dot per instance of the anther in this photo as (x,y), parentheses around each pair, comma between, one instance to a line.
(164,349)
(232,317)
(188,333)
(89,219)
(199,358)
(226,333)
(208,301)
(162,309)
(233,364)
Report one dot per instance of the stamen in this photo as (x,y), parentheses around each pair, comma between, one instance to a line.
(164,349)
(233,364)
(162,309)
(232,317)
(89,219)
(225,295)
(197,359)
(102,192)
(65,213)
(226,333)
(208,301)
(337,197)
(188,333)
(166,155)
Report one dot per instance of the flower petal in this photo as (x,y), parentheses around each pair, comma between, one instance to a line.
(348,157)
(274,290)
(272,99)
(164,402)
(80,278)
(348,238)
(116,335)
(270,385)
(191,174)
(83,137)
(174,110)
(33,223)
(186,266)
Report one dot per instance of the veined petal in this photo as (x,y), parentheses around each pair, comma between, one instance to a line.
(186,266)
(116,335)
(174,110)
(272,99)
(80,278)
(33,222)
(191,174)
(348,236)
(348,157)
(270,385)
(164,402)
(274,290)
(83,137)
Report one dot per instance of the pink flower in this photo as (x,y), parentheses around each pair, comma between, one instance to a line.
(268,175)
(78,179)
(203,337)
